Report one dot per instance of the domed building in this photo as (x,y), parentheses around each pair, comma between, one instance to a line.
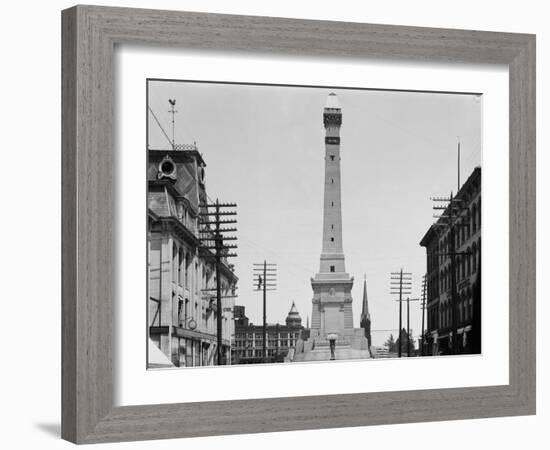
(293,318)
(247,346)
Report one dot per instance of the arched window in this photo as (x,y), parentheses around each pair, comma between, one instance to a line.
(181,265)
(474,218)
(474,257)
(479,214)
(174,263)
(187,271)
(468,258)
(470,306)
(479,252)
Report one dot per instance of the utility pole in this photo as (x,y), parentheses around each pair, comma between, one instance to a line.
(458,165)
(409,300)
(424,288)
(449,220)
(265,275)
(212,229)
(400,284)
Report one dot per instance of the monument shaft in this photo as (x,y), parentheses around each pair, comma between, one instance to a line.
(331,309)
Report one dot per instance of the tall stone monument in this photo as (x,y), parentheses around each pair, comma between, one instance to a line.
(332,336)
(331,310)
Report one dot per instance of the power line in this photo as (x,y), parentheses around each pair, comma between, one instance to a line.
(160,126)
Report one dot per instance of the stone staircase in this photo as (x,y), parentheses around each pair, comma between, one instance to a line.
(349,345)
(321,352)
(382,352)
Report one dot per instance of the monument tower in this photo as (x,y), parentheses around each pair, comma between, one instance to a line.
(331,310)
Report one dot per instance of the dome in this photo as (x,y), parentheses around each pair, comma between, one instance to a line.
(332,101)
(293,318)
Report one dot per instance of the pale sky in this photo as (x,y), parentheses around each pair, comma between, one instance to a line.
(264,149)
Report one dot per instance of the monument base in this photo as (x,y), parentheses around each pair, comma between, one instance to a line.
(352,345)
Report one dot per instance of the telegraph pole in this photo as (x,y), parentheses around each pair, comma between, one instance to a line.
(265,275)
(458,165)
(401,284)
(424,288)
(409,300)
(212,240)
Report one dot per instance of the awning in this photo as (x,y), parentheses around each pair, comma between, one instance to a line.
(155,358)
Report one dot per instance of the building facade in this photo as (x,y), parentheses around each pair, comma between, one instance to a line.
(248,342)
(467,246)
(182,313)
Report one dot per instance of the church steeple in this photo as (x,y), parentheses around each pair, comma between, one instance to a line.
(365,315)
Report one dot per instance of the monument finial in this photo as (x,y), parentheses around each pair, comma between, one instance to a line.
(332,101)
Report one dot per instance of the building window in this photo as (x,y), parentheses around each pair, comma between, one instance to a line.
(479,214)
(331,239)
(331,203)
(181,265)
(332,227)
(174,264)
(180,310)
(187,265)
(332,181)
(332,268)
(332,157)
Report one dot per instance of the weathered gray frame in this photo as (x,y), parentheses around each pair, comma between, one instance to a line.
(89,36)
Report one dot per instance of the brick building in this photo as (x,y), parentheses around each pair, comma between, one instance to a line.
(248,343)
(182,277)
(467,236)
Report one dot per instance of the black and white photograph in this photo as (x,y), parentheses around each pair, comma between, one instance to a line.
(258,225)
(293,224)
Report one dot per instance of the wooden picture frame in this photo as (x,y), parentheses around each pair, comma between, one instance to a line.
(90,34)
